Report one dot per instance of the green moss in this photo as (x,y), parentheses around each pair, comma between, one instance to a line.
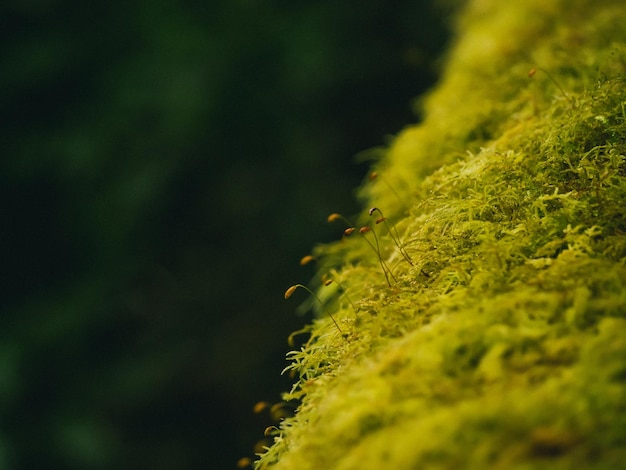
(503,344)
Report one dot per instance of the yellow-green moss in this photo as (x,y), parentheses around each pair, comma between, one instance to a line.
(504,344)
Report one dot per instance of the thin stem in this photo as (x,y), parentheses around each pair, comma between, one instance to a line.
(394,234)
(293,288)
(552,79)
(383,265)
(348,231)
(335,216)
(374,175)
(345,292)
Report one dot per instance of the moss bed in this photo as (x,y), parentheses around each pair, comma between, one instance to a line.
(488,329)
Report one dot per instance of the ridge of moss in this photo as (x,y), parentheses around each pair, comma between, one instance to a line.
(502,344)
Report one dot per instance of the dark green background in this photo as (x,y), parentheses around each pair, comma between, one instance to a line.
(164,166)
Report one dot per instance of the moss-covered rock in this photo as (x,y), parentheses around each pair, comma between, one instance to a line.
(482,324)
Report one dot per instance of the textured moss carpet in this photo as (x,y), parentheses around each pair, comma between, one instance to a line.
(481,321)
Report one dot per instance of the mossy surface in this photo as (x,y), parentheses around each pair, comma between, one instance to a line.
(503,343)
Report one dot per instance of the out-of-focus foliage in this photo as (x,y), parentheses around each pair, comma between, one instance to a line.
(163,167)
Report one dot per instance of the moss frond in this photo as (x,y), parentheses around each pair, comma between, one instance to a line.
(503,343)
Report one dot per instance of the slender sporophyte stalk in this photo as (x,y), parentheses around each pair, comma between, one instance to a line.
(393,233)
(350,226)
(335,216)
(330,281)
(289,292)
(386,270)
(375,175)
(533,71)
(291,338)
(363,230)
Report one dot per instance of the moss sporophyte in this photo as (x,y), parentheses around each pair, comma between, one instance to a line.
(509,349)
(292,289)
(374,246)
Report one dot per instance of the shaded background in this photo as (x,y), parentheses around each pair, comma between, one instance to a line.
(164,166)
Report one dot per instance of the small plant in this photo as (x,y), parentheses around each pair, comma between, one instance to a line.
(533,71)
(330,281)
(334,216)
(393,233)
(363,230)
(375,175)
(395,237)
(291,338)
(289,292)
(277,412)
(386,270)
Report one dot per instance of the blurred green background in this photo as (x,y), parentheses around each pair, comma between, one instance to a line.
(164,166)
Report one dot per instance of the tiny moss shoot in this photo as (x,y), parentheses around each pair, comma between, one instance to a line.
(386,270)
(511,352)
(289,292)
(343,290)
(534,70)
(393,233)
(375,247)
